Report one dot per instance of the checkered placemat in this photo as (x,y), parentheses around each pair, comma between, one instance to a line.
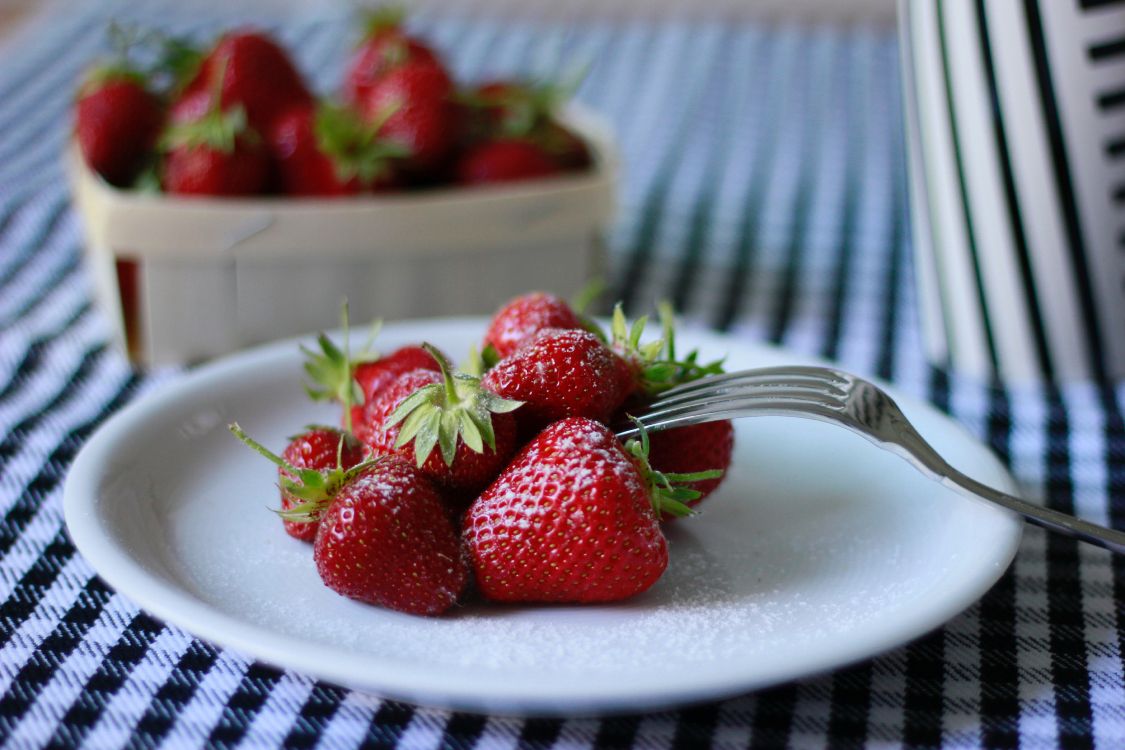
(764,194)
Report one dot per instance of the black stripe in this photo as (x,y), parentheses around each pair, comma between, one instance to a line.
(33,584)
(319,707)
(1103,50)
(1115,490)
(173,696)
(1115,148)
(773,719)
(1119,194)
(735,294)
(695,726)
(922,701)
(115,669)
(243,705)
(462,730)
(54,469)
(1111,99)
(42,295)
(999,645)
(42,664)
(618,732)
(785,296)
(1065,615)
(28,367)
(67,391)
(856,151)
(34,245)
(1068,207)
(889,326)
(539,733)
(849,707)
(963,188)
(1092,4)
(388,725)
(1011,200)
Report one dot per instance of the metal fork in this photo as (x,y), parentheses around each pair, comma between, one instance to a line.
(852,402)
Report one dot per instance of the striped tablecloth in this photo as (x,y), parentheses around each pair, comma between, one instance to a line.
(765,196)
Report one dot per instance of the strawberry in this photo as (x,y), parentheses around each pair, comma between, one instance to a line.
(559,374)
(320,449)
(327,150)
(387,539)
(383,535)
(504,160)
(685,450)
(573,518)
(249,69)
(385,45)
(461,433)
(375,375)
(527,112)
(521,318)
(117,121)
(215,155)
(412,103)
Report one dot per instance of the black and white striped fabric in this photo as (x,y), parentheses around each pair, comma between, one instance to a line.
(1017,122)
(765,194)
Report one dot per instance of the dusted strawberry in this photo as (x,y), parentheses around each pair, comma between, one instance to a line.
(574,518)
(507,160)
(520,319)
(117,121)
(326,150)
(385,46)
(375,375)
(412,103)
(321,449)
(383,535)
(687,450)
(387,539)
(253,71)
(559,374)
(461,433)
(215,155)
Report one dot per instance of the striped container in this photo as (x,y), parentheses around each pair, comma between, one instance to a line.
(1016,131)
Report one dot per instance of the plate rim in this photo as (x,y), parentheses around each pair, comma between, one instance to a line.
(177,607)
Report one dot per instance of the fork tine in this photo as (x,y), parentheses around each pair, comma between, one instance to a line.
(819,378)
(779,395)
(742,386)
(713,412)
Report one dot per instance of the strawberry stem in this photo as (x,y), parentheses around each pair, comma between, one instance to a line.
(451,396)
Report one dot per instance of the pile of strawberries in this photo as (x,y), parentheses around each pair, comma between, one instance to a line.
(238,119)
(505,478)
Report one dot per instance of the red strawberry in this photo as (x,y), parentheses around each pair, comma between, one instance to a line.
(375,375)
(215,155)
(461,433)
(383,536)
(518,110)
(507,160)
(683,450)
(326,150)
(559,374)
(412,103)
(387,539)
(320,449)
(255,72)
(574,518)
(521,318)
(692,449)
(385,46)
(117,121)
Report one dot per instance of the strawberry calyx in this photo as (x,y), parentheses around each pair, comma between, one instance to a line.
(354,145)
(331,371)
(522,107)
(440,413)
(669,491)
(382,19)
(314,489)
(656,361)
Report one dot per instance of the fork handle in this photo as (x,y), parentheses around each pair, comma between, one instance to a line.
(920,453)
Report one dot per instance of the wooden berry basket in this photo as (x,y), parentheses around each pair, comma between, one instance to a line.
(185,279)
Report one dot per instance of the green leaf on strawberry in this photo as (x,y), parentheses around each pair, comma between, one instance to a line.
(440,413)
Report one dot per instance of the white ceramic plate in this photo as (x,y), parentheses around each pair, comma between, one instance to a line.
(819,550)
